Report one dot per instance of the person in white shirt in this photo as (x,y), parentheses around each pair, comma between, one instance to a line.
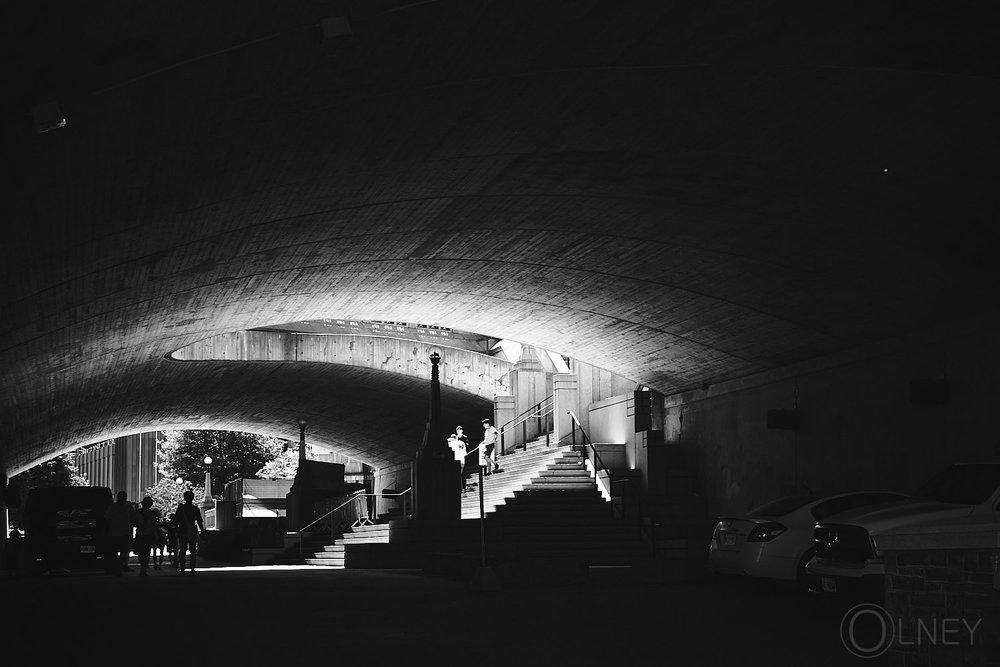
(491,436)
(459,443)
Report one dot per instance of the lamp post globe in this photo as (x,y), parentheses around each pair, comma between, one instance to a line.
(208,502)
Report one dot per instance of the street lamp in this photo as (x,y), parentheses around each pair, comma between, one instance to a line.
(207,502)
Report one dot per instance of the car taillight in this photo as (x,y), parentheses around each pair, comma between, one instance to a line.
(765,532)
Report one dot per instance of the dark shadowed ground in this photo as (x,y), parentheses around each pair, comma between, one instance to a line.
(243,615)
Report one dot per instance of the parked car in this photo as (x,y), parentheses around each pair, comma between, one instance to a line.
(775,540)
(64,528)
(847,560)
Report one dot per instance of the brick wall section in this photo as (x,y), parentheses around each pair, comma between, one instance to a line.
(934,584)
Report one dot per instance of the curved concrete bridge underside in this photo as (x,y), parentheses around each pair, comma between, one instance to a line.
(679,192)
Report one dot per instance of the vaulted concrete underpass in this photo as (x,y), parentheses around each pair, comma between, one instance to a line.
(740,206)
(678,193)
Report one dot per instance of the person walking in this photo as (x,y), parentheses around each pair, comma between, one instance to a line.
(489,444)
(120,520)
(189,526)
(170,536)
(147,524)
(459,443)
(159,545)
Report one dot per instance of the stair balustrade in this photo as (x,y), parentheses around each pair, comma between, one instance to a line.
(353,507)
(586,449)
(540,411)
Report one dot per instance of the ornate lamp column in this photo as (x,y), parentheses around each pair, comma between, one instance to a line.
(207,502)
(438,488)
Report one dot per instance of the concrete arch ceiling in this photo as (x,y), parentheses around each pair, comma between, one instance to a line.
(676,192)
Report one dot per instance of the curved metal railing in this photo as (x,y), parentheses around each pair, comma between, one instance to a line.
(362,518)
(539,411)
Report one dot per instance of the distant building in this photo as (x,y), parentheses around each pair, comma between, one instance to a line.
(125,464)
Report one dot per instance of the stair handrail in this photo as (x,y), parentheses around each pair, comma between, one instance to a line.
(537,411)
(611,482)
(354,497)
(586,441)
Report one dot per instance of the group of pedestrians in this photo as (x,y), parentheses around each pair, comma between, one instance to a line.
(459,443)
(144,531)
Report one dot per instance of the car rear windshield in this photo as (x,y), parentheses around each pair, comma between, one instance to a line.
(964,484)
(782,506)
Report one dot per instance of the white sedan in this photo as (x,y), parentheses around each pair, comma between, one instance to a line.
(775,540)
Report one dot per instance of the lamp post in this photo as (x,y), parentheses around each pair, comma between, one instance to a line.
(207,502)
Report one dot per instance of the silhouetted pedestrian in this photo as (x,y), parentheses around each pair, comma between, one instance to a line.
(120,519)
(189,527)
(147,522)
(170,534)
(159,545)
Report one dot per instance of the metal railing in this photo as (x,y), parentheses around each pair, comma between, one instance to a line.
(539,412)
(362,515)
(624,483)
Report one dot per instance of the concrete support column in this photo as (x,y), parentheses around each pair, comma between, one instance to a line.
(529,388)
(504,409)
(565,397)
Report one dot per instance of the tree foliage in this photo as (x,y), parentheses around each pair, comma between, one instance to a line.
(235,455)
(167,494)
(284,466)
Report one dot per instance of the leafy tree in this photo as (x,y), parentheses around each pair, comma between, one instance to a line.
(167,494)
(234,455)
(284,466)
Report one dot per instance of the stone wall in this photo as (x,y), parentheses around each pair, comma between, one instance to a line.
(942,595)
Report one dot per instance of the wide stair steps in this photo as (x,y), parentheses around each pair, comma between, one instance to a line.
(321,550)
(335,555)
(543,507)
(560,515)
(519,469)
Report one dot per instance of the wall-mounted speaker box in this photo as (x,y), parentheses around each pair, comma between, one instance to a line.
(783,419)
(643,413)
(933,391)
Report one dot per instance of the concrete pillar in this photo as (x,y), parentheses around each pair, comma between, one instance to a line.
(565,397)
(527,381)
(504,410)
(438,480)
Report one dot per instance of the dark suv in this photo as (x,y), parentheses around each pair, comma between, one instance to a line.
(64,528)
(847,560)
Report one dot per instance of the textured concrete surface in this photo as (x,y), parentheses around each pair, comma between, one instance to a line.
(678,192)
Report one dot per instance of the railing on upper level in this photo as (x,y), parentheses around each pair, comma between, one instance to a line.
(593,456)
(353,510)
(539,412)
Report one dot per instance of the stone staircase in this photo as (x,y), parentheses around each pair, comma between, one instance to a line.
(520,469)
(560,515)
(335,555)
(544,507)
